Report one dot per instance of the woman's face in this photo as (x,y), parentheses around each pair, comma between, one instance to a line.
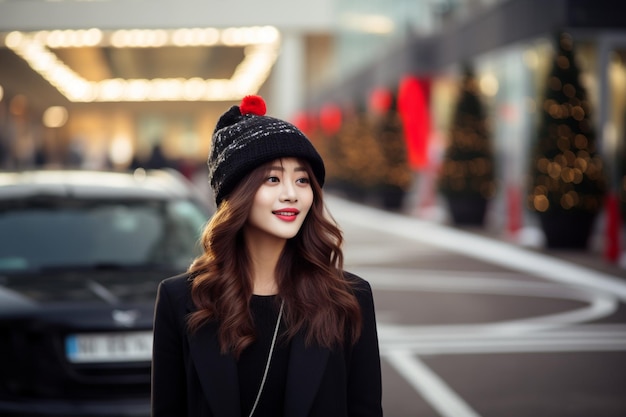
(283,200)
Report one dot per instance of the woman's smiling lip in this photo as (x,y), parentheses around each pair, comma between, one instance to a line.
(286,214)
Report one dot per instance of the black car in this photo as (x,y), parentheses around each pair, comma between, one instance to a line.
(81,254)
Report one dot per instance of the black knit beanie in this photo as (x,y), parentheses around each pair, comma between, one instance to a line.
(244,138)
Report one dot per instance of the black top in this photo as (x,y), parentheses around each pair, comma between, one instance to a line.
(253,359)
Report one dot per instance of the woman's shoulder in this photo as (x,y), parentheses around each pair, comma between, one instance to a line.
(177,284)
(357,283)
(362,291)
(176,292)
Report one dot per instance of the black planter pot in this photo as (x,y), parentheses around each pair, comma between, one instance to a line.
(567,230)
(349,190)
(467,210)
(391,197)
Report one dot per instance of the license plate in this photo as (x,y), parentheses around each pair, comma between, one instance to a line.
(109,347)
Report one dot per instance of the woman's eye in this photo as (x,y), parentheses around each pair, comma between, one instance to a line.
(303,180)
(272,179)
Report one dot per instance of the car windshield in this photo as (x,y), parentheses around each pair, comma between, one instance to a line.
(43,233)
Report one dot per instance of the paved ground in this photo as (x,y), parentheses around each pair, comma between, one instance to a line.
(471,326)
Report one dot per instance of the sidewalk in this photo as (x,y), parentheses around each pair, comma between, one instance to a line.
(591,259)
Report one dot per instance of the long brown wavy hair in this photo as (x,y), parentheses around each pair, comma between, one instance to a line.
(318,297)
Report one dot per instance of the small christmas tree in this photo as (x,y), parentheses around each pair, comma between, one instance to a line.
(567,185)
(354,161)
(395,173)
(467,174)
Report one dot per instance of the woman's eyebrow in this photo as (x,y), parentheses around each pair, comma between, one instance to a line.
(280,168)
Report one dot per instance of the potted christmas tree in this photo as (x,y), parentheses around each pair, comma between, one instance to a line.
(466,179)
(567,185)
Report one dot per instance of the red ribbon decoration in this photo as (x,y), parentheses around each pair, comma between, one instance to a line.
(413,108)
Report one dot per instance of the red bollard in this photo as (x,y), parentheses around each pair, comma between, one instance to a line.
(613,226)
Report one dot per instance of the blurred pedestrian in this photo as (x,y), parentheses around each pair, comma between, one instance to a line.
(157,159)
(266,322)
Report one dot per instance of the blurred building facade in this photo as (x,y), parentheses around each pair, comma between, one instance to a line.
(329,52)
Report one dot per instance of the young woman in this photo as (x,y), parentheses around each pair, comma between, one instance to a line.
(266,322)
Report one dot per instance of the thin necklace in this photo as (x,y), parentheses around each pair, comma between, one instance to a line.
(269,358)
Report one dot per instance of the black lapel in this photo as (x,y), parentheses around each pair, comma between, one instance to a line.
(217,373)
(306,367)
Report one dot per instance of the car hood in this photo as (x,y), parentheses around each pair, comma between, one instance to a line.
(111,287)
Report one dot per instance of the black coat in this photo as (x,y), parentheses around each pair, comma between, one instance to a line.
(190,377)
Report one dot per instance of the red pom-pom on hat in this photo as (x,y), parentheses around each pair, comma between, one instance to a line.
(253,105)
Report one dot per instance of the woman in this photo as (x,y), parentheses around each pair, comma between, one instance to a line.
(266,322)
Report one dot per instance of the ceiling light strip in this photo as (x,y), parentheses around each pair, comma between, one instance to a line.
(261,47)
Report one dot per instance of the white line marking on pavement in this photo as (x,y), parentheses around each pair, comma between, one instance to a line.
(422,346)
(433,389)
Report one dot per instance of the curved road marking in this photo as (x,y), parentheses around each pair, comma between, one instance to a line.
(598,304)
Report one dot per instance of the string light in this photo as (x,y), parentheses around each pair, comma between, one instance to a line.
(568,173)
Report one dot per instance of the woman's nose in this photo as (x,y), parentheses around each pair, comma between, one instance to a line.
(288,192)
